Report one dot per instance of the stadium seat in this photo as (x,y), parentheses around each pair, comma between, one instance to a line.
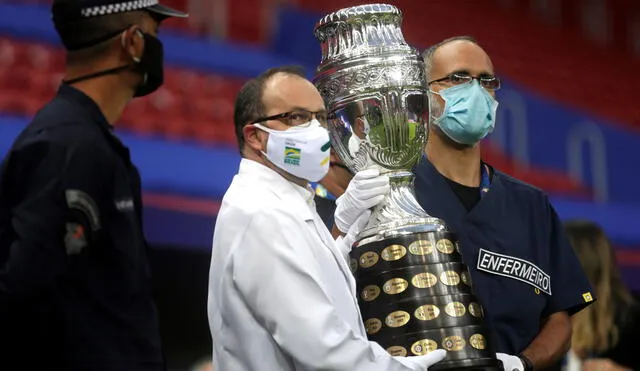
(30,74)
(555,61)
(17,103)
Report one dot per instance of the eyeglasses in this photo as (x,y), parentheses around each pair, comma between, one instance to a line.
(458,78)
(297,118)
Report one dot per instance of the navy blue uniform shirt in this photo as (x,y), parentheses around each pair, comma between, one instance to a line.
(75,288)
(522,266)
(325,204)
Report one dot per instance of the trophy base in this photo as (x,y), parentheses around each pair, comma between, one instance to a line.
(486,364)
(415,296)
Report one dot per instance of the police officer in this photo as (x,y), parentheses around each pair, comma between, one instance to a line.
(523,269)
(74,276)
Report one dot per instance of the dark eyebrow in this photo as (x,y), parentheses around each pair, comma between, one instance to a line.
(324,110)
(486,75)
(481,74)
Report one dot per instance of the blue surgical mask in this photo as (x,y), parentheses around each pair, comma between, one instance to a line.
(469,114)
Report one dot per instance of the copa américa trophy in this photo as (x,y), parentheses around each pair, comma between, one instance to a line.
(415,292)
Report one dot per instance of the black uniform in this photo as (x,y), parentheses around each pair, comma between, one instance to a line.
(74,275)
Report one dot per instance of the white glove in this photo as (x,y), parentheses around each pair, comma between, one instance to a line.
(510,363)
(422,363)
(347,241)
(367,189)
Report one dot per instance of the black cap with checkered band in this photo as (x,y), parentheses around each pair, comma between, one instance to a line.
(72,10)
(84,23)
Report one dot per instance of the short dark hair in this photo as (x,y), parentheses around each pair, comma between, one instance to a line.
(427,55)
(86,31)
(249,105)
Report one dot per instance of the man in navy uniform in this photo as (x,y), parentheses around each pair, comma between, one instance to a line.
(332,186)
(74,276)
(523,269)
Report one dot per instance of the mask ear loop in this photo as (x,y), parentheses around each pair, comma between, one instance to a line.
(109,71)
(135,59)
(433,119)
(266,130)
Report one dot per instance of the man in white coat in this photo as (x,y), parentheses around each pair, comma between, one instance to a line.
(281,295)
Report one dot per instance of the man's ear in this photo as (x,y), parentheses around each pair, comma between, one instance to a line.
(253,137)
(132,41)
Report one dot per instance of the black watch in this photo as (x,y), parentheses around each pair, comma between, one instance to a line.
(528,366)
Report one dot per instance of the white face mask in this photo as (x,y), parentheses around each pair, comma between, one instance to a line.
(302,151)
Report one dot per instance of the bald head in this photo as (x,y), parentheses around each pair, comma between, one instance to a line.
(457,54)
(285,92)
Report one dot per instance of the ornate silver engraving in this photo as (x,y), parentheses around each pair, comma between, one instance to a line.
(374,87)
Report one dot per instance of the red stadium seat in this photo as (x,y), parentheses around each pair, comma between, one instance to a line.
(181,81)
(8,53)
(16,77)
(212,109)
(220,87)
(191,104)
(207,133)
(144,125)
(17,103)
(558,61)
(216,132)
(44,58)
(138,111)
(177,127)
(164,101)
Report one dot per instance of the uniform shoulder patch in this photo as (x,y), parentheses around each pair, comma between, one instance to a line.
(587,297)
(82,202)
(515,268)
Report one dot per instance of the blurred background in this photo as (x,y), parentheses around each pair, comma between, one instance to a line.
(568,121)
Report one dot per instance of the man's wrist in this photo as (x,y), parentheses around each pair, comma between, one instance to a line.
(526,362)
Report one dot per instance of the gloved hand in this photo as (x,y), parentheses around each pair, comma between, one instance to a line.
(345,242)
(422,363)
(510,363)
(367,189)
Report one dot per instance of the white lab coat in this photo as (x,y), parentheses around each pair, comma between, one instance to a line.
(281,295)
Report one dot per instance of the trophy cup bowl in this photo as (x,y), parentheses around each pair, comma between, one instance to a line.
(415,292)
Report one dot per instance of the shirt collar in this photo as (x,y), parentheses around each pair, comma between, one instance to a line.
(71,93)
(322,192)
(279,184)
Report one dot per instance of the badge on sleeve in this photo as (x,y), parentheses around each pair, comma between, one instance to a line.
(75,239)
(516,268)
(587,297)
(82,202)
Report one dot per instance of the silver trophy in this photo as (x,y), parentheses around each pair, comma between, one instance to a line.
(414,290)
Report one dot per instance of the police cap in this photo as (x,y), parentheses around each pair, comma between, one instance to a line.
(69,16)
(74,10)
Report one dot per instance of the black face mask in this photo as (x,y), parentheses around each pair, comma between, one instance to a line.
(150,66)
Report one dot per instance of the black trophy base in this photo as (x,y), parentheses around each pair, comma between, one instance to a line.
(415,296)
(478,364)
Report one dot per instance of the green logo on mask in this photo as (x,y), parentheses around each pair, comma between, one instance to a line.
(292,156)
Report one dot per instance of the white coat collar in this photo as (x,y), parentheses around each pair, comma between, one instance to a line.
(299,197)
